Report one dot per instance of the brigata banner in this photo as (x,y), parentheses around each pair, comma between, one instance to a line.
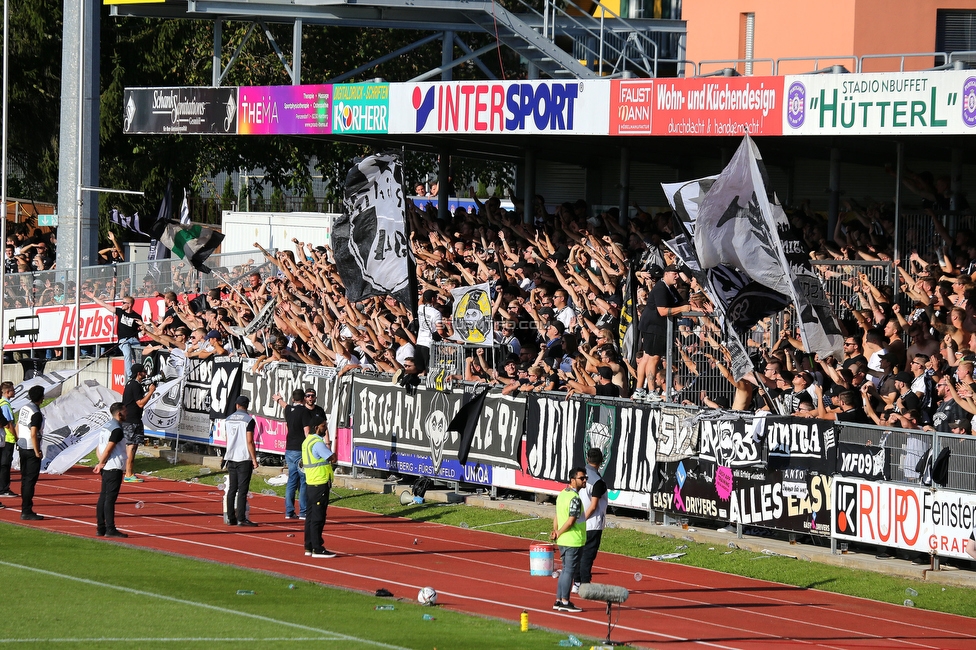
(890,103)
(701,106)
(285,110)
(407,432)
(555,107)
(180,111)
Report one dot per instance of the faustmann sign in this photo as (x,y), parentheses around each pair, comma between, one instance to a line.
(895,103)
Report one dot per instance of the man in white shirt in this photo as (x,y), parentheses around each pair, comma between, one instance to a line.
(427,316)
(112,457)
(242,460)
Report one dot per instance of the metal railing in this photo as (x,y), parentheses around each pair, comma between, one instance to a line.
(138,279)
(594,41)
(901,58)
(841,280)
(817,60)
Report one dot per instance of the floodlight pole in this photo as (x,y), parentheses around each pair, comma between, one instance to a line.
(3,176)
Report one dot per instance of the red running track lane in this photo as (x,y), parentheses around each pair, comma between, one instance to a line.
(486,573)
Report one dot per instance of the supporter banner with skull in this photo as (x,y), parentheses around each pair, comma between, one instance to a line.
(370,239)
(559,432)
(407,432)
(471,315)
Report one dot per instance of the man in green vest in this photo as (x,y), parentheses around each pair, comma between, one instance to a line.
(317,458)
(569,533)
(9,436)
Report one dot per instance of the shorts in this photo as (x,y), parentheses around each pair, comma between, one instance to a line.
(133,432)
(654,344)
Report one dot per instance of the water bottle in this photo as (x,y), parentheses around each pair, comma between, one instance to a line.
(384,608)
(428,617)
(911,592)
(638,576)
(245,592)
(140,505)
(571,642)
(909,602)
(524,621)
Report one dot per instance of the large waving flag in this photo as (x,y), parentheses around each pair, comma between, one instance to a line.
(370,239)
(739,227)
(191,242)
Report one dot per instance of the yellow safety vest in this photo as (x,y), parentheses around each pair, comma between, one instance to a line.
(10,435)
(318,471)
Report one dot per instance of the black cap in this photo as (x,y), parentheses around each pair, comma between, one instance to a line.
(136,369)
(905,377)
(244,401)
(605,372)
(960,424)
(672,267)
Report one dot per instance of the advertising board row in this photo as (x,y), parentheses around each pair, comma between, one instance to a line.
(785,473)
(895,103)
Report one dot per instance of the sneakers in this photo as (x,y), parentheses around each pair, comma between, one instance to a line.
(324,554)
(639,394)
(567,606)
(397,375)
(31,516)
(575,588)
(247,523)
(8,493)
(132,479)
(115,533)
(308,553)
(301,517)
(291,516)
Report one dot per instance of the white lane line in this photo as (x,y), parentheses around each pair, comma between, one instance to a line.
(216,608)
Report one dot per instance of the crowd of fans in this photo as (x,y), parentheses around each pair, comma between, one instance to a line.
(557,293)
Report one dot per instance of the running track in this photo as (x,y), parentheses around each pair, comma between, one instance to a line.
(487,573)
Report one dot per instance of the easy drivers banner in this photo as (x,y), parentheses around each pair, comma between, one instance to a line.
(407,432)
(904,516)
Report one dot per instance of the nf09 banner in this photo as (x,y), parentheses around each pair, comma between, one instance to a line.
(908,517)
(633,439)
(408,432)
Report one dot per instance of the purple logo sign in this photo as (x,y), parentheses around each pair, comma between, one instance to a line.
(796,100)
(969,102)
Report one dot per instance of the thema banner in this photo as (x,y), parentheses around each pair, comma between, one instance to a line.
(902,516)
(408,432)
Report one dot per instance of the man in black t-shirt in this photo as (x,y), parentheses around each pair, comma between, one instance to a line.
(316,413)
(297,419)
(127,326)
(663,303)
(134,399)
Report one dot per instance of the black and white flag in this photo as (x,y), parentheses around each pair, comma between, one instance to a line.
(370,239)
(738,226)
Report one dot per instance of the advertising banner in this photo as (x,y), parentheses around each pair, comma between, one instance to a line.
(53,326)
(799,443)
(360,108)
(890,103)
(180,111)
(555,107)
(285,110)
(693,488)
(729,442)
(701,106)
(793,499)
(863,461)
(408,432)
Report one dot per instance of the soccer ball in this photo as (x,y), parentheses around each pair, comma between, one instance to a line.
(427,596)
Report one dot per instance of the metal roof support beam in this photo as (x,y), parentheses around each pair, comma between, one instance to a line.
(296,52)
(447,56)
(220,74)
(454,63)
(218,36)
(386,57)
(281,57)
(467,50)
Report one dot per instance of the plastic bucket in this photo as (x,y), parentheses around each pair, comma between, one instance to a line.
(541,559)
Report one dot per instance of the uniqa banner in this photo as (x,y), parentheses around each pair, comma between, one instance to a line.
(407,431)
(902,516)
(559,432)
